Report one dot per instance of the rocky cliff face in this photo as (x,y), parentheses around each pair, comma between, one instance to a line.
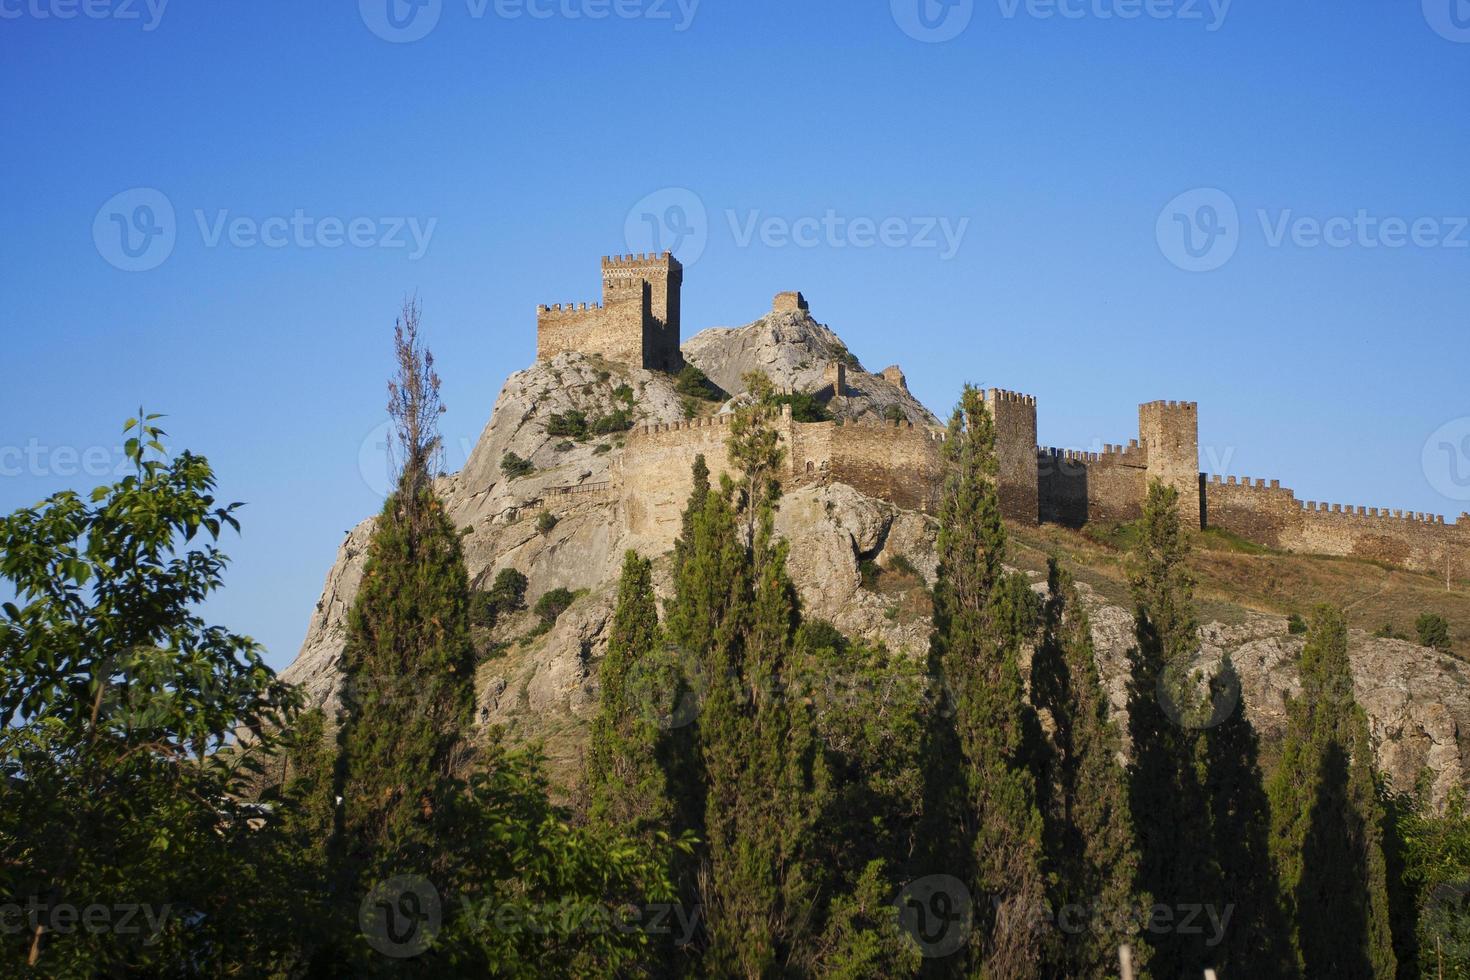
(861,563)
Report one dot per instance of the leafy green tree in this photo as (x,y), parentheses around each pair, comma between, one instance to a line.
(1433,630)
(552,604)
(1090,841)
(755,446)
(1327,824)
(977,642)
(123,782)
(1429,851)
(506,595)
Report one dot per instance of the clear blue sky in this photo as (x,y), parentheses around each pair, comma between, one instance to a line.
(527,141)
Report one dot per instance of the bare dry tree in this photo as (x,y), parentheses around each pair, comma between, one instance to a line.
(413,404)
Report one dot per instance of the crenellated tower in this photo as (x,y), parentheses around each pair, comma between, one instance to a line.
(1169,432)
(1014,415)
(637,322)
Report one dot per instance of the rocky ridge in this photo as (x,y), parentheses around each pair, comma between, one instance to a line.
(1417,700)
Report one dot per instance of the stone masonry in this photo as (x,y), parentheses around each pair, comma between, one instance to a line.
(638,324)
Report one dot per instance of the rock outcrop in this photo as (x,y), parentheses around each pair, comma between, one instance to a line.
(862,563)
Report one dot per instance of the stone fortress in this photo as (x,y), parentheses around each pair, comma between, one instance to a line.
(638,324)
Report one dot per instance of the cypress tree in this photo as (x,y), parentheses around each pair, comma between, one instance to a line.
(976,642)
(1255,942)
(626,781)
(408,663)
(1177,867)
(1091,844)
(1327,821)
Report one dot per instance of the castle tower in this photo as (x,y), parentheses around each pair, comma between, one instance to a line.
(834,375)
(637,323)
(1015,449)
(1170,432)
(650,284)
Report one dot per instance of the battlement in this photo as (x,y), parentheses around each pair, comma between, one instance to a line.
(637,323)
(545,310)
(1011,397)
(639,260)
(1177,406)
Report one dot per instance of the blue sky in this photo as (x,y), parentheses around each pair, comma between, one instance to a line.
(1067,148)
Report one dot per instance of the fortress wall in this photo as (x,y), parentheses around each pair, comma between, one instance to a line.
(1266,514)
(614,331)
(809,451)
(654,474)
(1272,515)
(900,463)
(1061,487)
(1117,484)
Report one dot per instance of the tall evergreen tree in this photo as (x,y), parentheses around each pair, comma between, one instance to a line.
(408,661)
(1177,865)
(1327,821)
(1255,942)
(976,643)
(626,782)
(1091,846)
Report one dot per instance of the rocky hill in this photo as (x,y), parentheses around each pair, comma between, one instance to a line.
(859,562)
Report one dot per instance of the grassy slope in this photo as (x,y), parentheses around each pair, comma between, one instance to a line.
(1235,575)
